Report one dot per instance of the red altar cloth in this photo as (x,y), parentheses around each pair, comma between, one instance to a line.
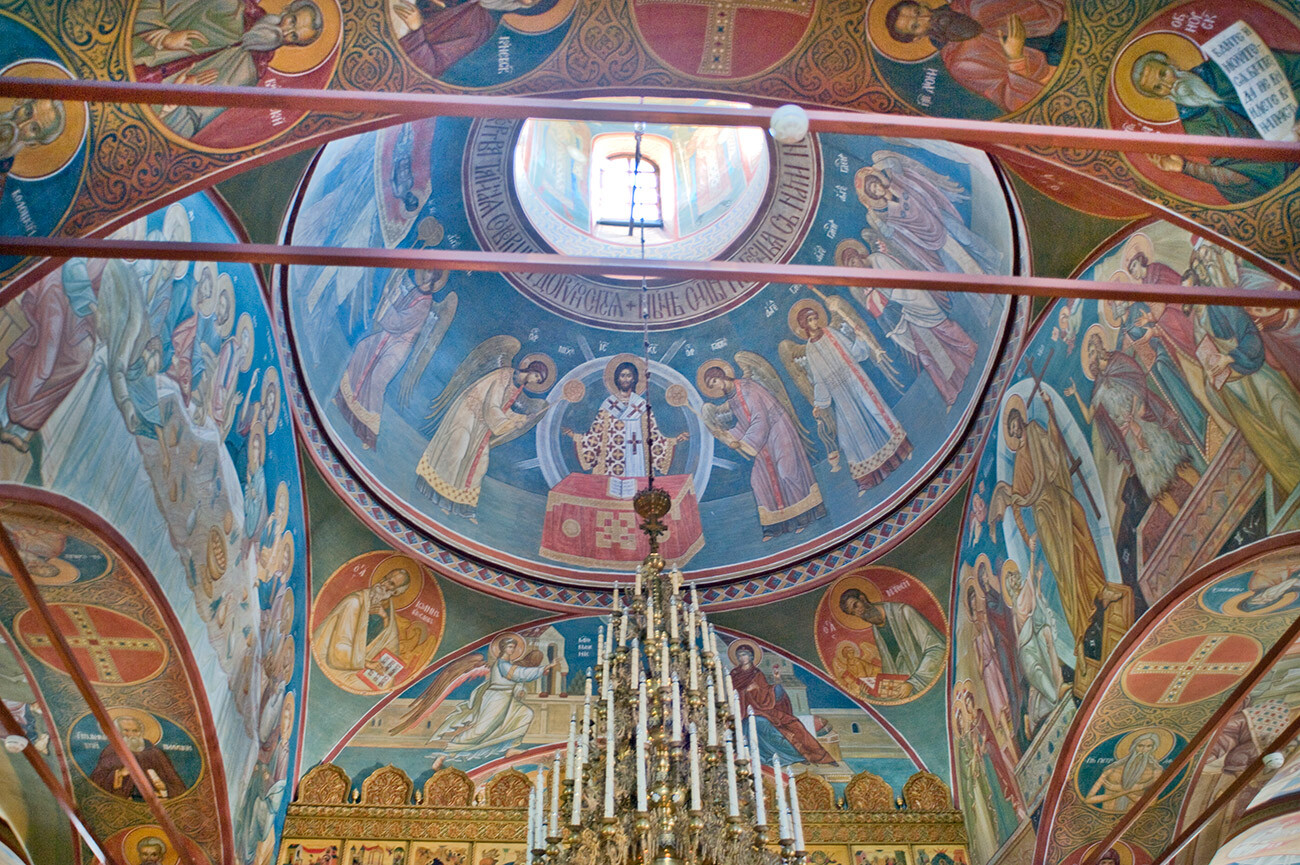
(587,526)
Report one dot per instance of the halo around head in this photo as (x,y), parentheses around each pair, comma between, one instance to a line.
(541,22)
(1015,401)
(131,841)
(1086,352)
(713,391)
(149,726)
(1181,51)
(405,563)
(35,163)
(792,318)
(226,286)
(546,361)
(1008,567)
(244,330)
(1164,744)
(736,645)
(842,585)
(852,253)
(300,59)
(614,363)
(884,42)
(499,641)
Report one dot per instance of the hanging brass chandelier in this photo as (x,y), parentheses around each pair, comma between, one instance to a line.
(661,771)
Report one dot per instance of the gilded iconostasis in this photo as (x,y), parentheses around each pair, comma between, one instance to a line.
(370,522)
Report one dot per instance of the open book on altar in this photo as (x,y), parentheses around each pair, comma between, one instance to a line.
(621,487)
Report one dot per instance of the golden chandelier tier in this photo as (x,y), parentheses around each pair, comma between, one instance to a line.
(661,770)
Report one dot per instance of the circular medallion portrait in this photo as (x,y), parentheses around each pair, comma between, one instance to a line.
(57,552)
(233,43)
(376,622)
(150,845)
(1271,586)
(977,60)
(882,635)
(1122,853)
(1119,770)
(1227,68)
(164,749)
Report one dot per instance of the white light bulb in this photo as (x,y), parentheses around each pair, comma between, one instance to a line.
(789,124)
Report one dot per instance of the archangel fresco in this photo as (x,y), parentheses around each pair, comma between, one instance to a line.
(151,393)
(506,703)
(1124,456)
(518,430)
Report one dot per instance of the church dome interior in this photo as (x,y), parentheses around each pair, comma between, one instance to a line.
(977,412)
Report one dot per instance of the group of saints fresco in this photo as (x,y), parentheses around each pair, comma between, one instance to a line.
(1118,420)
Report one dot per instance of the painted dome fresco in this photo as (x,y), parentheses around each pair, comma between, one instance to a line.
(505,416)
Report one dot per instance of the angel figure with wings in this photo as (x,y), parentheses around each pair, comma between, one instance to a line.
(759,421)
(406,316)
(495,717)
(914,208)
(853,420)
(483,405)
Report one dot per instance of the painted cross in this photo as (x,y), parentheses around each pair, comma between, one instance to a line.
(720,26)
(634,440)
(119,650)
(1191,669)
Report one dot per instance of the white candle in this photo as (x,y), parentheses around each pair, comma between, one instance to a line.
(672,619)
(694,680)
(695,769)
(577,790)
(622,631)
(713,716)
(742,750)
(638,581)
(609,754)
(650,618)
(555,798)
(733,797)
(690,626)
(540,792)
(569,750)
(600,642)
(676,576)
(635,669)
(586,724)
(606,683)
(664,666)
(618,603)
(642,734)
(756,769)
(532,821)
(795,817)
(677,710)
(695,596)
(782,817)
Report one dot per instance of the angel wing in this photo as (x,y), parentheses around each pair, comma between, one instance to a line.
(717,417)
(794,357)
(533,408)
(451,677)
(490,354)
(901,169)
(431,334)
(842,311)
(756,367)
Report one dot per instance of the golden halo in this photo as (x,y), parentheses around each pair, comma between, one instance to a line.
(884,42)
(205,306)
(282,495)
(573,390)
(1015,401)
(1182,52)
(842,585)
(1007,567)
(541,22)
(550,371)
(176,228)
(36,163)
(738,644)
(677,395)
(792,317)
(860,184)
(129,841)
(995,579)
(713,363)
(297,59)
(244,332)
(520,645)
(1232,606)
(149,726)
(1139,242)
(271,384)
(226,286)
(65,573)
(393,563)
(258,433)
(1165,745)
(284,547)
(1086,354)
(852,253)
(617,359)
